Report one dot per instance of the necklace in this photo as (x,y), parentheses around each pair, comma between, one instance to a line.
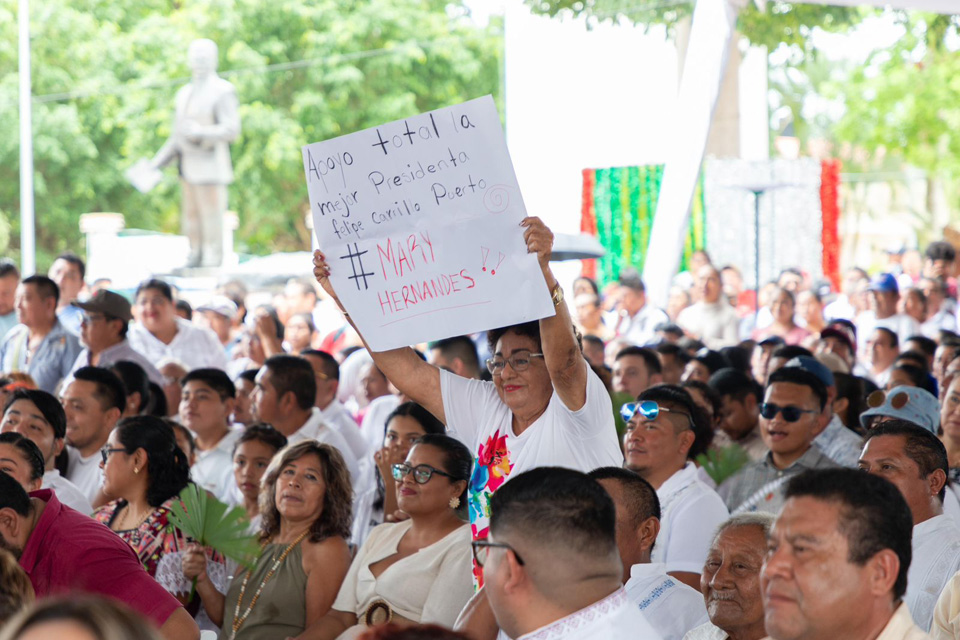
(128,510)
(238,619)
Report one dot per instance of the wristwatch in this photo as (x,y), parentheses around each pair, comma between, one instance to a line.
(557,294)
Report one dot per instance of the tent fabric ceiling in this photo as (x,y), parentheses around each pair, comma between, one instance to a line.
(938,6)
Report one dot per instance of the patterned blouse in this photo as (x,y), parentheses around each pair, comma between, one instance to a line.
(153,539)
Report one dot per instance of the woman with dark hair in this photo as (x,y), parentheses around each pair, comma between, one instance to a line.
(305,503)
(418,570)
(144,471)
(783,304)
(79,616)
(21,459)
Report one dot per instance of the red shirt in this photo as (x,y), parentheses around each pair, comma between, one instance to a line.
(69,552)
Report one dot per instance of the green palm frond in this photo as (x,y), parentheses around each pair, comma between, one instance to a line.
(722,463)
(215,525)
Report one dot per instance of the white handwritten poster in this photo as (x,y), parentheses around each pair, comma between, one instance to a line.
(420,223)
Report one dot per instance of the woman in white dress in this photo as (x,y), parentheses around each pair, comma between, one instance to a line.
(418,570)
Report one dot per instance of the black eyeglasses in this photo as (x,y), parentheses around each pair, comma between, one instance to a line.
(518,362)
(106,451)
(421,473)
(480,548)
(790,413)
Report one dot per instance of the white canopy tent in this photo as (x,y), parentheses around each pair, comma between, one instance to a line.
(714,23)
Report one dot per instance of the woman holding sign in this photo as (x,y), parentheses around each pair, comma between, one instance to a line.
(544,407)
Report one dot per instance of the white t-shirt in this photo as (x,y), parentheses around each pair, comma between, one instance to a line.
(583,440)
(671,607)
(194,346)
(936,558)
(67,492)
(690,514)
(213,469)
(337,417)
(85,473)
(374,425)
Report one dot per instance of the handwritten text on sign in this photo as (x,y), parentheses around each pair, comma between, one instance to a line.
(419,220)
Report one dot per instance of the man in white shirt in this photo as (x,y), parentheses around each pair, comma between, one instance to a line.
(41,419)
(636,319)
(915,460)
(837,560)
(731,580)
(160,333)
(665,431)
(940,316)
(93,403)
(104,322)
(671,607)
(327,374)
(711,319)
(284,394)
(206,402)
(883,295)
(551,567)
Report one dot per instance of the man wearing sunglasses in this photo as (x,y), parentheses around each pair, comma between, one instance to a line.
(791,417)
(665,431)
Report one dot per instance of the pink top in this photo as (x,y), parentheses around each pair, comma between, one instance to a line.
(795,336)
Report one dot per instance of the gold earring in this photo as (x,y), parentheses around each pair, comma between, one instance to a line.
(454,502)
(136,470)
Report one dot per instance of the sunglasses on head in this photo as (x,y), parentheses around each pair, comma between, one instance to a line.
(649,410)
(897,401)
(790,413)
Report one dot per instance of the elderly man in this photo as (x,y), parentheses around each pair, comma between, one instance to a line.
(711,319)
(63,551)
(665,431)
(637,320)
(105,319)
(837,560)
(551,566)
(915,460)
(40,345)
(792,415)
(671,607)
(731,580)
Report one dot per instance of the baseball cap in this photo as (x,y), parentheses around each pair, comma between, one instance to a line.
(814,366)
(841,332)
(833,362)
(913,404)
(885,283)
(221,305)
(108,303)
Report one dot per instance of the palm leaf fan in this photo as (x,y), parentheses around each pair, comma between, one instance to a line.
(214,525)
(724,462)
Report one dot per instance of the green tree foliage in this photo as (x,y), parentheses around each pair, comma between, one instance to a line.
(105,73)
(786,23)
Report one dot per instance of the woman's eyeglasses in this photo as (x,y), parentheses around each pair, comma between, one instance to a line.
(790,413)
(649,410)
(421,473)
(106,451)
(518,362)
